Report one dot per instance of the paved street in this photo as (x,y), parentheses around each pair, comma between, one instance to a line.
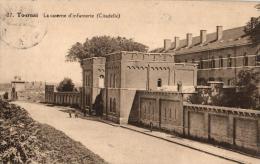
(116,144)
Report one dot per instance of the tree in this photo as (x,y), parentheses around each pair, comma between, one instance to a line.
(247,89)
(99,46)
(198,98)
(252,28)
(5,96)
(244,96)
(66,85)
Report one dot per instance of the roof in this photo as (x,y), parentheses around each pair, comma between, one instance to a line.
(231,37)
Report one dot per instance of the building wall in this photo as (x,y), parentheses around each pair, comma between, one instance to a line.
(93,72)
(127,72)
(228,71)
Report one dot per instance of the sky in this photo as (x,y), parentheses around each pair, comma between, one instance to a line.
(145,21)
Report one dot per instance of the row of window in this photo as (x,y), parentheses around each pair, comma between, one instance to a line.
(221,62)
(212,61)
(202,81)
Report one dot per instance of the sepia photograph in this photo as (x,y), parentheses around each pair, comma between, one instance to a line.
(129,82)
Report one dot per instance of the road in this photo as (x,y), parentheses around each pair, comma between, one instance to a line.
(115,144)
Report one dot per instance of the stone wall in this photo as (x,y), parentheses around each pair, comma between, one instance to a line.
(162,109)
(232,126)
(62,98)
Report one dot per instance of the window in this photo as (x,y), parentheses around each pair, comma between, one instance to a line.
(229,61)
(220,61)
(114,81)
(111,80)
(145,112)
(86,80)
(186,61)
(101,81)
(153,113)
(212,62)
(165,113)
(114,105)
(110,105)
(159,83)
(211,79)
(245,60)
(164,57)
(201,64)
(257,59)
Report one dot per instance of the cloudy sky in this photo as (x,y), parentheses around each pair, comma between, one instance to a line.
(148,22)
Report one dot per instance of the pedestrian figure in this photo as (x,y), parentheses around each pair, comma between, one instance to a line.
(70,114)
(76,115)
(151,126)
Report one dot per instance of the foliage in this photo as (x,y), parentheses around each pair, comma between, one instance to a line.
(246,92)
(99,46)
(247,89)
(198,98)
(5,96)
(23,140)
(66,85)
(202,81)
(252,28)
(244,95)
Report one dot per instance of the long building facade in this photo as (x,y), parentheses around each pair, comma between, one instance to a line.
(220,55)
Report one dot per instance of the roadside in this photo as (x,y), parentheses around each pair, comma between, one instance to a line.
(191,144)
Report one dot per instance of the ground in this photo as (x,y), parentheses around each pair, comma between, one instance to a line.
(115,144)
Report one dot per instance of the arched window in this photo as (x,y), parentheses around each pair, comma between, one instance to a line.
(220,61)
(86,80)
(114,105)
(110,105)
(245,60)
(101,81)
(114,81)
(159,83)
(229,61)
(111,80)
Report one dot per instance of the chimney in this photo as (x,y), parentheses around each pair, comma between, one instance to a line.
(219,32)
(176,42)
(167,44)
(203,36)
(189,39)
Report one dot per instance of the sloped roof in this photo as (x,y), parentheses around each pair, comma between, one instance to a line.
(230,37)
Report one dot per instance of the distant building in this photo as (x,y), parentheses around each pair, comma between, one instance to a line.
(17,86)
